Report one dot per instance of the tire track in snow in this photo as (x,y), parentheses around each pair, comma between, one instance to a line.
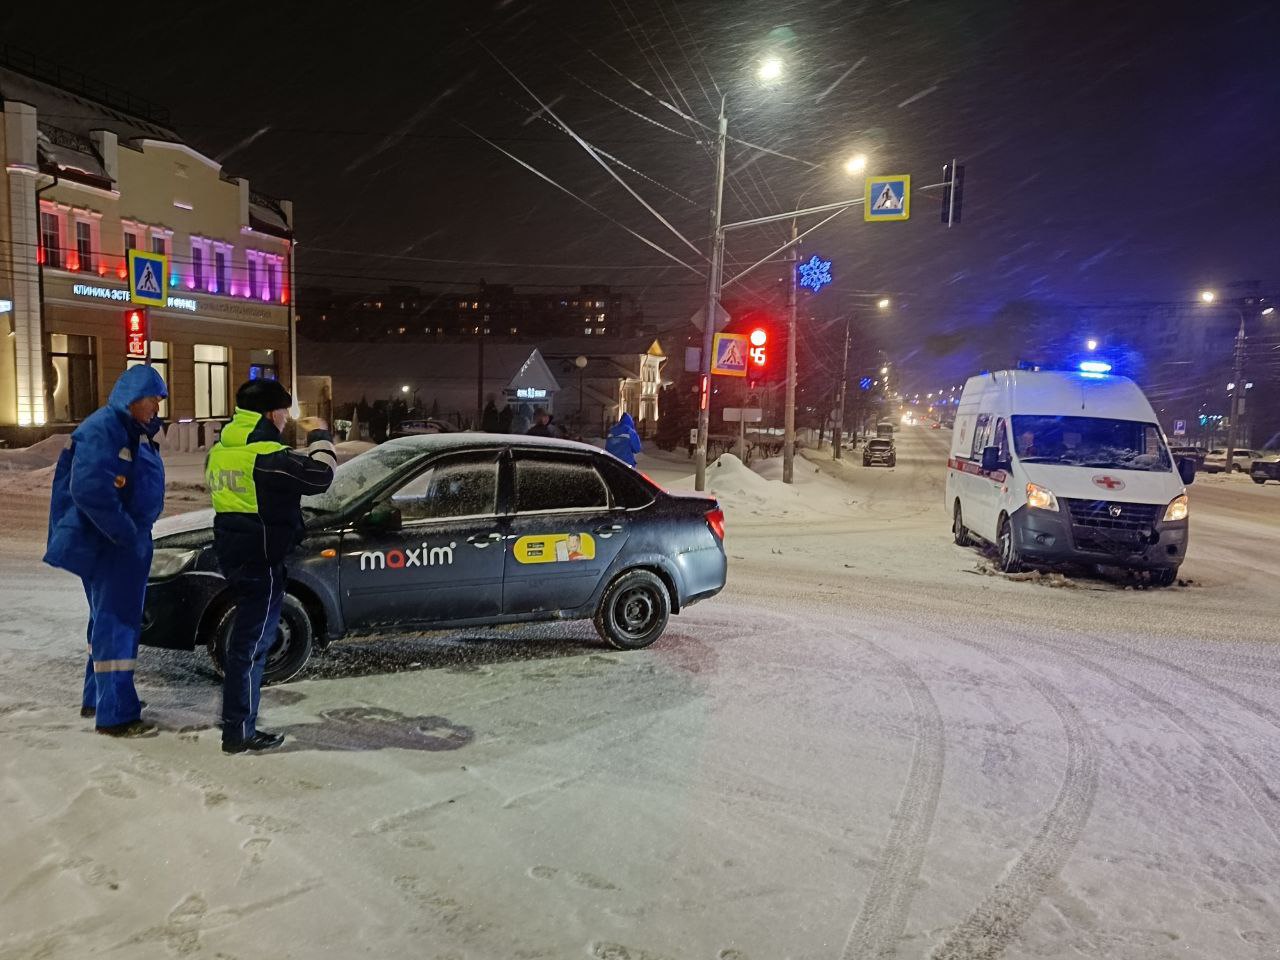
(1261,795)
(879,925)
(993,924)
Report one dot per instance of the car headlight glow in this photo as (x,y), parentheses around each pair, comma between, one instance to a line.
(1178,508)
(169,563)
(1041,498)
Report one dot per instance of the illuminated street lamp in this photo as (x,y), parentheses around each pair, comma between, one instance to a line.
(770,70)
(1091,344)
(883,303)
(1208,296)
(404,388)
(856,164)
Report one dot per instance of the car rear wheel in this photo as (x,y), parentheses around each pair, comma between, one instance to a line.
(290,650)
(1010,558)
(959,532)
(1259,479)
(633,611)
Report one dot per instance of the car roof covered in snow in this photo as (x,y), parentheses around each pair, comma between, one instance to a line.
(439,442)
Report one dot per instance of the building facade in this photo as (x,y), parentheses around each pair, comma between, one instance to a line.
(86,181)
(499,312)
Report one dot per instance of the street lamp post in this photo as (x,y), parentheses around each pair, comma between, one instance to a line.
(1237,385)
(581,364)
(837,438)
(713,301)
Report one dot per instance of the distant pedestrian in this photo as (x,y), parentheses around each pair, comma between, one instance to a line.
(541,424)
(489,418)
(505,417)
(623,441)
(108,489)
(257,483)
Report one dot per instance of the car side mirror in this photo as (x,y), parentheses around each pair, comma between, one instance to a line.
(1187,470)
(990,459)
(383,518)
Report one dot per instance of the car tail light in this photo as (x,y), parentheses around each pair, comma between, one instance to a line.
(715,520)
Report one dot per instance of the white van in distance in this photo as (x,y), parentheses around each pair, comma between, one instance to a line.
(1057,466)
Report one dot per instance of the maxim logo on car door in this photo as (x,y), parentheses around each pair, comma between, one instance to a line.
(421,556)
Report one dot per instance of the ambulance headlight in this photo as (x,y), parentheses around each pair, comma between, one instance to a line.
(1041,498)
(169,563)
(1178,508)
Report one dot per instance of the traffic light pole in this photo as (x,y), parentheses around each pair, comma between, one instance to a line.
(789,417)
(713,301)
(1237,387)
(838,440)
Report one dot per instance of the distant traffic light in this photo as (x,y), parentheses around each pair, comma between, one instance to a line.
(759,347)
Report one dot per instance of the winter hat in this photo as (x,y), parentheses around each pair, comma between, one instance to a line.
(263,396)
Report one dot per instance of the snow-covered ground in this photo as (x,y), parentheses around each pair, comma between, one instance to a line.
(868,745)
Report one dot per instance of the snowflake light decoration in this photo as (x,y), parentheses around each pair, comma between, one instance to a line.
(815,273)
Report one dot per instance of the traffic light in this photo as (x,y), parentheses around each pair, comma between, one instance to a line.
(759,339)
(135,332)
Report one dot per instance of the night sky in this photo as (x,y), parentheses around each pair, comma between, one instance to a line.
(1114,152)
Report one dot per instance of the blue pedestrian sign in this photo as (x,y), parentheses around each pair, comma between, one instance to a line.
(148,278)
(887,198)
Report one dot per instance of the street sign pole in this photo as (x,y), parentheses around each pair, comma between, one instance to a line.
(713,301)
(789,415)
(838,440)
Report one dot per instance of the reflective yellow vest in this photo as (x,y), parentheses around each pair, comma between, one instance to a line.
(228,470)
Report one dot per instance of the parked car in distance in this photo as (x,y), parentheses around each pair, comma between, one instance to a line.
(457,530)
(421,427)
(1265,467)
(1215,461)
(1194,454)
(879,450)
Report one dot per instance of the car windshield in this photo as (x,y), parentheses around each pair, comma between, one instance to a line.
(357,475)
(1090,442)
(879,444)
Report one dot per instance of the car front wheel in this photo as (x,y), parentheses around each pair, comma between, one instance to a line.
(290,650)
(1259,479)
(959,532)
(1010,558)
(634,610)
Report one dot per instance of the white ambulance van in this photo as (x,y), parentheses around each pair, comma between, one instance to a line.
(1058,466)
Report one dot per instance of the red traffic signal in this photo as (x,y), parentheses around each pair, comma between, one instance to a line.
(759,350)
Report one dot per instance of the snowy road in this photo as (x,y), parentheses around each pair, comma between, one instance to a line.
(867,746)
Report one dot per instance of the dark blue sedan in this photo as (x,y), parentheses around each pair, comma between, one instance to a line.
(458,530)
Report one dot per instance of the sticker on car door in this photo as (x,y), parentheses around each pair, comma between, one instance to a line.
(555,548)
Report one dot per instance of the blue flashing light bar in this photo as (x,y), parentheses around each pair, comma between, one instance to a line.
(1095,366)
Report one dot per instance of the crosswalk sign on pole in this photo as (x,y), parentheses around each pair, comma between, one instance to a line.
(887,198)
(729,353)
(148,278)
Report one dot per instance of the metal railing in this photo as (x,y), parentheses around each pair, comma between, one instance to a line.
(73,81)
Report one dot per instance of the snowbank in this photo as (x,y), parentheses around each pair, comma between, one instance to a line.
(37,455)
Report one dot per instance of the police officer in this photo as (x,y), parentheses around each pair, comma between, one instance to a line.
(256,482)
(108,489)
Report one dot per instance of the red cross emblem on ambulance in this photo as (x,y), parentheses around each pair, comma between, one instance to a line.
(1108,483)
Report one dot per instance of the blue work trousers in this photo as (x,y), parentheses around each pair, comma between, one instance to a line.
(258,590)
(115,588)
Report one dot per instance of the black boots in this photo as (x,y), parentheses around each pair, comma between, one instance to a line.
(258,742)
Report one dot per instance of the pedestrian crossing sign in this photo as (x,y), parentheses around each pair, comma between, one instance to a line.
(887,198)
(148,278)
(729,354)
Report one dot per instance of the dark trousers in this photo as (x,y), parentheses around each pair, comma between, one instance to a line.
(258,591)
(115,589)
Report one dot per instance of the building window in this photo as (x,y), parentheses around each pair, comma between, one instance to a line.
(272,266)
(130,241)
(159,244)
(51,239)
(160,361)
(262,365)
(84,245)
(220,272)
(586,331)
(212,363)
(197,265)
(72,377)
(253,274)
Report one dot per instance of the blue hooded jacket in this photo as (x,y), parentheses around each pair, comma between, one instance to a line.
(623,441)
(108,487)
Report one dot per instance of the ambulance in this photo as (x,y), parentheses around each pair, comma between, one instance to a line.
(1056,467)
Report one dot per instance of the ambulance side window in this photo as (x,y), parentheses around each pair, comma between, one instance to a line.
(981,435)
(1001,441)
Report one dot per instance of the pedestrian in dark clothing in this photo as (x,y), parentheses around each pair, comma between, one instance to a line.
(623,441)
(505,417)
(108,489)
(257,483)
(541,424)
(489,419)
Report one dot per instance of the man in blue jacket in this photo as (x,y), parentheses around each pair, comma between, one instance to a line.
(623,441)
(108,489)
(257,484)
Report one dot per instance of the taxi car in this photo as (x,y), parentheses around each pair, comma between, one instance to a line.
(458,530)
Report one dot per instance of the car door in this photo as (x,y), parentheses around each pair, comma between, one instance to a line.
(442,561)
(565,531)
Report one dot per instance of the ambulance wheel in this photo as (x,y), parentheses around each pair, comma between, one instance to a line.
(290,650)
(1010,558)
(633,611)
(959,532)
(1165,577)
